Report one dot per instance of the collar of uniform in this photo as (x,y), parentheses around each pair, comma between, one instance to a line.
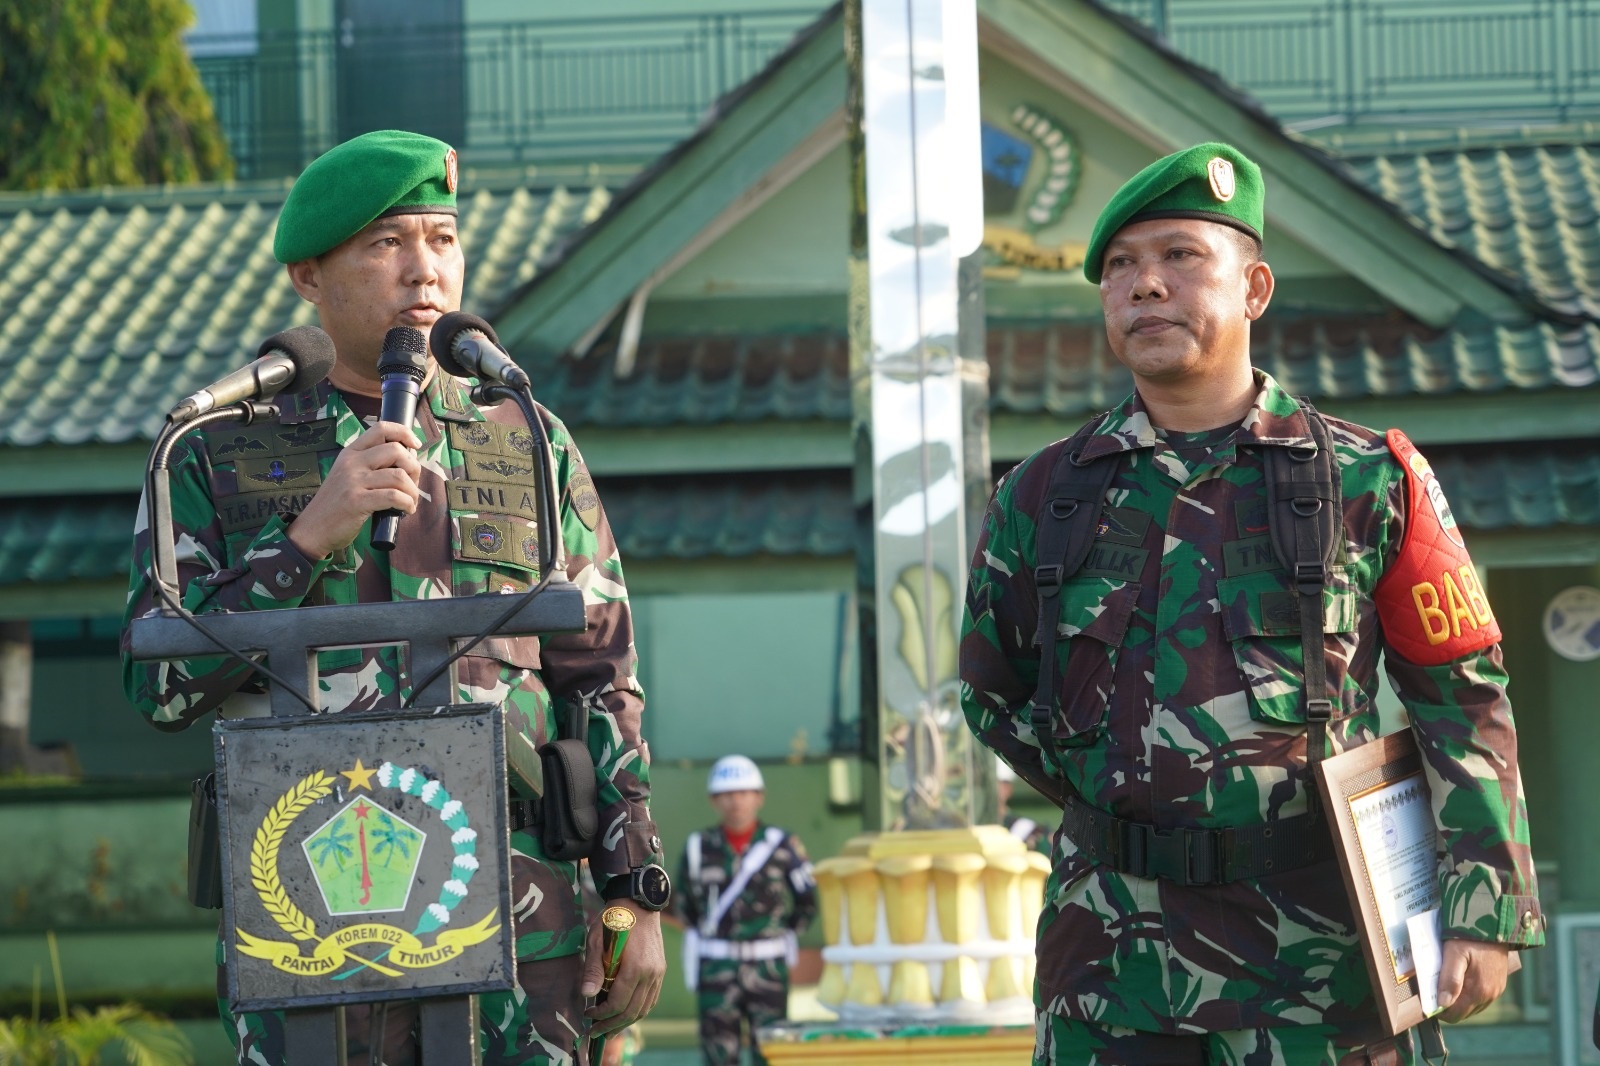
(447,398)
(321,401)
(307,406)
(451,400)
(1274,418)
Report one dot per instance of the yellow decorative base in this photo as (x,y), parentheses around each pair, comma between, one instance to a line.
(947,914)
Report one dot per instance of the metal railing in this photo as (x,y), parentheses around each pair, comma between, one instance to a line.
(1317,62)
(596,90)
(567,90)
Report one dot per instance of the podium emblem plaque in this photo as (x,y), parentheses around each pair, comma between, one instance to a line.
(365,856)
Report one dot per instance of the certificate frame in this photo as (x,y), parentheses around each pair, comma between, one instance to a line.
(1343,779)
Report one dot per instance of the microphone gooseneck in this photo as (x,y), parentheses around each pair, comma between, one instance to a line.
(401,367)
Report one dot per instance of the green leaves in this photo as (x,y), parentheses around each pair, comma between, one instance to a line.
(100,93)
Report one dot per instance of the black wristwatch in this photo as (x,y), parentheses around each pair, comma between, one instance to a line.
(648,886)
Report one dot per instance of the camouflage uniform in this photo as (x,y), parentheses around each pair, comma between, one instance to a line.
(473,532)
(1187,689)
(775,906)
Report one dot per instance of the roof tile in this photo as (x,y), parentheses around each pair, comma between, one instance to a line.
(1529,210)
(801,513)
(1061,369)
(126,301)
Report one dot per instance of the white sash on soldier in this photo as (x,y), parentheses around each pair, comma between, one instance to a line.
(754,859)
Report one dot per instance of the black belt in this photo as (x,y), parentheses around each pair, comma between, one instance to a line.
(1196,856)
(522,813)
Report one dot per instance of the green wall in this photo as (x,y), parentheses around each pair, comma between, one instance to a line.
(1557,707)
(759,673)
(796,244)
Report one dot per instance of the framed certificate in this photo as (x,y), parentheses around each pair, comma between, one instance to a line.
(1381,814)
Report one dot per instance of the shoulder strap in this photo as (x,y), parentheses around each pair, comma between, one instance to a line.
(1066,525)
(1305,512)
(754,859)
(691,850)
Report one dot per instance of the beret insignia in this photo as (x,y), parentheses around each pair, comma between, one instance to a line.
(451,174)
(1220,173)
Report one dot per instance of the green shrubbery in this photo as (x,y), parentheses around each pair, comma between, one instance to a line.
(82,1037)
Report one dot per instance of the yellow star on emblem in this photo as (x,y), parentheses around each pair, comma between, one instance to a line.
(360,776)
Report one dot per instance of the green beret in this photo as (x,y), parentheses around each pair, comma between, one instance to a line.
(389,172)
(1214,182)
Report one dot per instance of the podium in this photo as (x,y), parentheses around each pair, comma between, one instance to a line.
(365,855)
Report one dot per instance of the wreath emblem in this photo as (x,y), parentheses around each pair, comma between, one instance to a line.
(402,950)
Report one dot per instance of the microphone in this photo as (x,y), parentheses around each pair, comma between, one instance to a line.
(290,361)
(467,347)
(401,368)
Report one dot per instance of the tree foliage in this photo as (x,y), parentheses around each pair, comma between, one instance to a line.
(102,92)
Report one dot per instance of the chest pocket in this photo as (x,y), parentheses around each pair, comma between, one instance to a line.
(496,554)
(1261,619)
(1095,613)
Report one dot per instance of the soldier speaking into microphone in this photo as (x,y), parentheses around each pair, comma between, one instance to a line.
(265,522)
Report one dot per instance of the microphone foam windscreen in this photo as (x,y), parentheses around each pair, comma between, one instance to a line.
(405,350)
(309,348)
(443,336)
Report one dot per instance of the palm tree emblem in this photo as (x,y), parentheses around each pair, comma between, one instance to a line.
(389,838)
(334,844)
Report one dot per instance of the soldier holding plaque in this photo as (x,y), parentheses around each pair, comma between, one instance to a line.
(280,516)
(1174,615)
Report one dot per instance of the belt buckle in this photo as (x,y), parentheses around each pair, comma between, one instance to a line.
(1203,859)
(1167,854)
(1133,848)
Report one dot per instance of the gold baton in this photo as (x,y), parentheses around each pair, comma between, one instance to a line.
(618,922)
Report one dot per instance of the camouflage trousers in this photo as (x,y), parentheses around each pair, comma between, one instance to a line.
(514,1028)
(731,993)
(1068,1042)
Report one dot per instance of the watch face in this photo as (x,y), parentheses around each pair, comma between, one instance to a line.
(655,887)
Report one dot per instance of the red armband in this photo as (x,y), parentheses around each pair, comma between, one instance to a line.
(1430,601)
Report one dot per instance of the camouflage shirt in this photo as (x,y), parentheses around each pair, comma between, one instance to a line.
(780,897)
(234,490)
(1180,677)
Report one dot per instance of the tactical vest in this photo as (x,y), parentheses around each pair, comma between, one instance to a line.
(1305,515)
(484,537)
